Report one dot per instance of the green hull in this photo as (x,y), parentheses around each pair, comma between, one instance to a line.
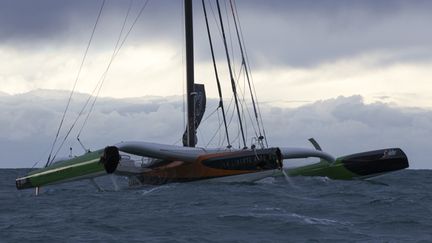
(356,166)
(323,168)
(85,166)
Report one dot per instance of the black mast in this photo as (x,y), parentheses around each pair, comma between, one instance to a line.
(191,141)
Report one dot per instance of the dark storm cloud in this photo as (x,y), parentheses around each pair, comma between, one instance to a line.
(310,32)
(277,32)
(48,22)
(48,19)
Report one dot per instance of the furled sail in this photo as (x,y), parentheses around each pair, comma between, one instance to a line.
(200,105)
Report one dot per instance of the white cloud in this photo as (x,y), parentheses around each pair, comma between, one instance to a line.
(348,125)
(377,76)
(342,125)
(158,70)
(143,67)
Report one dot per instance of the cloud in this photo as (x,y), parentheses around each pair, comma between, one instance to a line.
(379,76)
(292,33)
(346,125)
(49,22)
(158,69)
(342,125)
(142,66)
(3,94)
(308,33)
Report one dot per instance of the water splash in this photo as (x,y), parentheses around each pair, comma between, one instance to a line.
(145,192)
(322,221)
(114,182)
(288,179)
(267,180)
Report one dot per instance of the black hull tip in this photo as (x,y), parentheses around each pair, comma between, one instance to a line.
(376,162)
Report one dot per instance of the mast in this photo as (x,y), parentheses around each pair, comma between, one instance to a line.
(191,141)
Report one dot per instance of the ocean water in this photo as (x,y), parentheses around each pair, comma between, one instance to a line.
(392,208)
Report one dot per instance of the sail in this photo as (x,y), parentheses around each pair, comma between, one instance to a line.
(200,105)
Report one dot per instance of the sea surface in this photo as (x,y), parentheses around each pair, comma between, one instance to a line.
(392,208)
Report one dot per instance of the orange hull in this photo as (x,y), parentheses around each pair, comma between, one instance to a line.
(213,166)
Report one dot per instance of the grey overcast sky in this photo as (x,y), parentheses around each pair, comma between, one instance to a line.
(375,56)
(298,50)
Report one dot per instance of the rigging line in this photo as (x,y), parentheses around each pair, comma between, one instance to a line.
(233,56)
(214,135)
(233,85)
(240,72)
(40,158)
(229,112)
(219,144)
(199,135)
(104,75)
(244,64)
(208,116)
(231,120)
(221,138)
(215,19)
(178,141)
(243,104)
(121,45)
(75,83)
(251,77)
(216,73)
(237,138)
(246,107)
(250,74)
(242,44)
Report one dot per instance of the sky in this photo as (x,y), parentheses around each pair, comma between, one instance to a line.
(353,74)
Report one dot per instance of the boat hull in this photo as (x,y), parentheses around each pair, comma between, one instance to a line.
(356,166)
(89,165)
(216,165)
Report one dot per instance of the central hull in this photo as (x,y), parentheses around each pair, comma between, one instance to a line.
(245,164)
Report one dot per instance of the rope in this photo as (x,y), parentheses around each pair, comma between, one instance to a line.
(251,77)
(75,83)
(216,132)
(233,85)
(235,17)
(104,75)
(102,78)
(216,73)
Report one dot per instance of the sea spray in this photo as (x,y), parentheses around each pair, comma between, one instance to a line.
(156,188)
(288,179)
(114,182)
